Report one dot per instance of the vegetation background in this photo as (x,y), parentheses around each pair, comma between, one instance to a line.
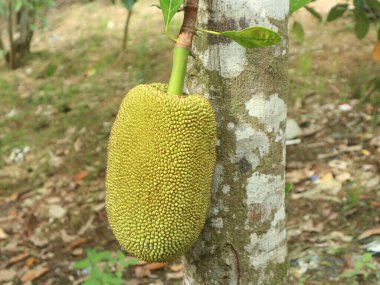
(57,108)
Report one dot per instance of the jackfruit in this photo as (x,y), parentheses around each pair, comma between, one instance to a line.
(161,158)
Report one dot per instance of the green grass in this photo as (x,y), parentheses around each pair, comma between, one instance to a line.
(306,79)
(81,88)
(366,85)
(332,73)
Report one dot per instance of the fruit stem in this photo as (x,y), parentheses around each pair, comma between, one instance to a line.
(177,78)
(208,31)
(182,48)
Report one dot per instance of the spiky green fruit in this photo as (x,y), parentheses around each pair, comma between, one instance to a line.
(161,158)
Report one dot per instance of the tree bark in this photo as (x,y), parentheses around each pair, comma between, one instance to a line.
(2,46)
(19,23)
(26,20)
(11,58)
(244,238)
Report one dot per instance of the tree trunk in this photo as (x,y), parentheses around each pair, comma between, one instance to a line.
(26,20)
(244,238)
(10,56)
(21,24)
(126,30)
(2,46)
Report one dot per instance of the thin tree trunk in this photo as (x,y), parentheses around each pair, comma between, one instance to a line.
(26,32)
(2,46)
(12,57)
(126,29)
(21,25)
(244,239)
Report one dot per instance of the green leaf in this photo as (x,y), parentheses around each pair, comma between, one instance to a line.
(2,9)
(94,256)
(314,12)
(33,5)
(17,5)
(361,24)
(253,37)
(374,4)
(358,4)
(112,260)
(129,262)
(371,266)
(349,273)
(119,274)
(90,251)
(336,12)
(120,255)
(96,273)
(105,278)
(126,262)
(129,3)
(103,255)
(81,264)
(359,265)
(366,275)
(367,257)
(297,4)
(92,281)
(169,8)
(91,254)
(115,281)
(288,187)
(298,32)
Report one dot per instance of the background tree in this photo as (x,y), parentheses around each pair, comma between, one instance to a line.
(19,18)
(128,4)
(244,239)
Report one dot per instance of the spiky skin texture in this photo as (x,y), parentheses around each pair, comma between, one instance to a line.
(161,158)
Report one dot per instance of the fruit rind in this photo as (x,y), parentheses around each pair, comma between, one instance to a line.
(161,158)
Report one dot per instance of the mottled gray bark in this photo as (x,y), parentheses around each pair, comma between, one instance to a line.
(244,239)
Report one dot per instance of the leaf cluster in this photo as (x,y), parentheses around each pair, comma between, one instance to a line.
(364,267)
(17,5)
(297,4)
(362,12)
(104,268)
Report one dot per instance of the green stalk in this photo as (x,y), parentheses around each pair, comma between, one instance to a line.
(208,31)
(182,48)
(177,77)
